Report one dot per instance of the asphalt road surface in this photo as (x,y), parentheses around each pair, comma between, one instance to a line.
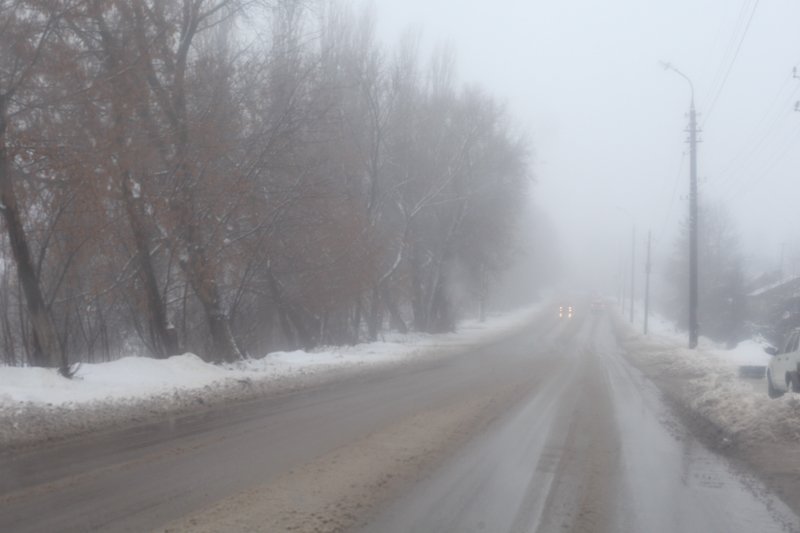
(548,430)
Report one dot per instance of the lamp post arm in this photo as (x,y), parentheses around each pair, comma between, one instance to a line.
(670,66)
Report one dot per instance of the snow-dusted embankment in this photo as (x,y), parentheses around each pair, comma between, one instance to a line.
(37,404)
(706,380)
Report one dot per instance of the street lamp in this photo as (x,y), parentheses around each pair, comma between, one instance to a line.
(693,325)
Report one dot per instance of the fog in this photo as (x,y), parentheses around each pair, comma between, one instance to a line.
(294,174)
(384,265)
(607,121)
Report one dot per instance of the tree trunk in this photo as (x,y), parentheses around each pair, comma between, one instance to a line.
(286,326)
(417,293)
(205,288)
(374,315)
(165,339)
(356,334)
(441,318)
(484,293)
(47,349)
(396,318)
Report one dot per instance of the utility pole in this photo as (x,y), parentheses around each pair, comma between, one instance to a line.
(693,325)
(647,284)
(621,295)
(633,269)
(783,250)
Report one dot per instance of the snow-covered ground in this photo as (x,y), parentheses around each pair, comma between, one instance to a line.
(747,353)
(38,403)
(707,381)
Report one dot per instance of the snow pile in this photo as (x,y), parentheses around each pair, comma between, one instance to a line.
(125,378)
(707,381)
(37,404)
(393,347)
(747,353)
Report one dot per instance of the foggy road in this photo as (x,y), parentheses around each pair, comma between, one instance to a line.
(592,448)
(570,438)
(350,266)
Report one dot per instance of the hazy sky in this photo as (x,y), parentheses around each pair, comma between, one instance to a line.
(607,122)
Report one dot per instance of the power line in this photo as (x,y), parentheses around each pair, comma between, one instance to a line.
(744,156)
(745,184)
(777,133)
(729,48)
(776,111)
(733,61)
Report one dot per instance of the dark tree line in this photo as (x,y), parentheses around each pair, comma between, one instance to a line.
(231,176)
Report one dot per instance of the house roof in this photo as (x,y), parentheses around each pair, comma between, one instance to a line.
(780,286)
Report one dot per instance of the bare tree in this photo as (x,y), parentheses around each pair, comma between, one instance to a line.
(169,182)
(25,32)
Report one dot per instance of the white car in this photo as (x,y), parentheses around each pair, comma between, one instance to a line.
(783,370)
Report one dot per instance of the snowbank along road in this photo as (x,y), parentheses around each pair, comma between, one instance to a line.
(548,430)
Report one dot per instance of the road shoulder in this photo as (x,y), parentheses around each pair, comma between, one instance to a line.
(754,440)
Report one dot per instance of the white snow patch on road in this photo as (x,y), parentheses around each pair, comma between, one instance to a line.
(38,403)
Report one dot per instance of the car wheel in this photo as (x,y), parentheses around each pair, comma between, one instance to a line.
(771,390)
